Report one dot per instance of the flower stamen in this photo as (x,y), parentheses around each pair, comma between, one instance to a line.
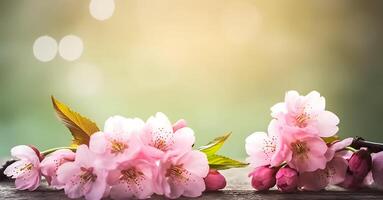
(177,172)
(300,148)
(301,120)
(87,175)
(118,147)
(27,167)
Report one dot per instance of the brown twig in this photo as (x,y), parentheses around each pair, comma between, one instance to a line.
(373,147)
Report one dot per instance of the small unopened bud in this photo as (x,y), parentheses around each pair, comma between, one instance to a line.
(214,181)
(287,179)
(360,164)
(263,178)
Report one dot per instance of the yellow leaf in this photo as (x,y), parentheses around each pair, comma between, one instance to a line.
(80,127)
(331,139)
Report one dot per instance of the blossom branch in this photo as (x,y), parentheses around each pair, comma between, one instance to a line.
(373,147)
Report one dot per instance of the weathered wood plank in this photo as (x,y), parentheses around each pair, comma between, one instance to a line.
(238,188)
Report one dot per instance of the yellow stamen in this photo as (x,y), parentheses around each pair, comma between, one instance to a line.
(301,120)
(87,175)
(300,148)
(160,144)
(131,175)
(27,167)
(118,147)
(177,172)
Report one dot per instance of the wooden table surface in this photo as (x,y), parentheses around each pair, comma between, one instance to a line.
(238,188)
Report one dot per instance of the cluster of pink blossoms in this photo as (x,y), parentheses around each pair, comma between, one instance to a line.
(294,155)
(128,159)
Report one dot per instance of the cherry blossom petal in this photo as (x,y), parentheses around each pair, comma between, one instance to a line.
(117,124)
(16,169)
(278,108)
(84,157)
(179,124)
(314,103)
(29,180)
(25,152)
(327,124)
(336,170)
(98,187)
(66,171)
(260,148)
(98,143)
(184,139)
(195,186)
(195,162)
(306,180)
(341,144)
(292,102)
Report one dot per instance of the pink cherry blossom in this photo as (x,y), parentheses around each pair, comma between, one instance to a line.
(26,170)
(158,136)
(334,173)
(308,151)
(132,179)
(182,174)
(86,176)
(51,163)
(119,141)
(306,113)
(266,149)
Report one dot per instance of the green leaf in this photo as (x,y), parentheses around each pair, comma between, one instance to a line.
(212,147)
(221,162)
(331,139)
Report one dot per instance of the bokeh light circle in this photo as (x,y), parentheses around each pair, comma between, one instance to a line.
(101,9)
(45,48)
(71,47)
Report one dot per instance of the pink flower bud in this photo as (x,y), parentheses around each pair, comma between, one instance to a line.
(263,178)
(377,168)
(360,164)
(214,181)
(287,179)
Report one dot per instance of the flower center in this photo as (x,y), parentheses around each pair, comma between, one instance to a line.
(87,175)
(118,147)
(27,167)
(160,144)
(301,120)
(177,172)
(300,148)
(131,175)
(162,138)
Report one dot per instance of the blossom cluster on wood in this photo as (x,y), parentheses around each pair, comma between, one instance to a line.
(301,151)
(130,158)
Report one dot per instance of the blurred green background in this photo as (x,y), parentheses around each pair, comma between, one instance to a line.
(218,64)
